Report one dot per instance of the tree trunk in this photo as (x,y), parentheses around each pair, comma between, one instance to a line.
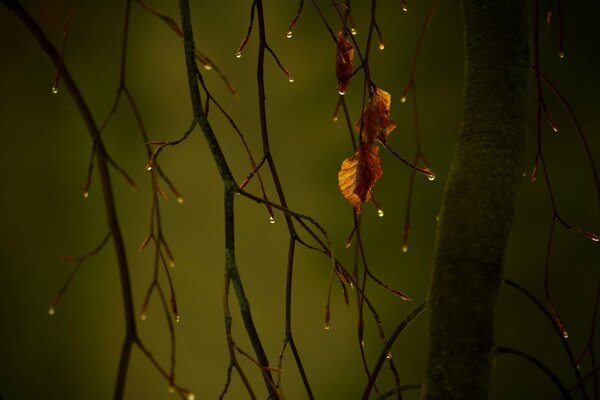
(479,201)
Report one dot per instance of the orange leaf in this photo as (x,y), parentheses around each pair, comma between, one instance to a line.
(343,62)
(358,175)
(375,122)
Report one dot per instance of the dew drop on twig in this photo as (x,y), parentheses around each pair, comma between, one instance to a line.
(51,310)
(403,99)
(380,213)
(180,200)
(289,35)
(431,177)
(272,220)
(388,355)
(404,248)
(238,54)
(143,316)
(86,194)
(341,92)
(54,90)
(353,31)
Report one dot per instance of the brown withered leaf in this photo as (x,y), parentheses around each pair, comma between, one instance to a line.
(375,122)
(343,62)
(358,175)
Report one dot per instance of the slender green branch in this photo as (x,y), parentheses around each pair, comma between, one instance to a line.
(230,188)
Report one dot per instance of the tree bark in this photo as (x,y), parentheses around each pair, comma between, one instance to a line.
(479,201)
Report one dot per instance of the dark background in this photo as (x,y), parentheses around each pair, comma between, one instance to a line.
(46,150)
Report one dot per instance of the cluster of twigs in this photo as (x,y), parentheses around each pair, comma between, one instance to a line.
(302,229)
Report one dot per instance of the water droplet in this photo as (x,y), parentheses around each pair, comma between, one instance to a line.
(171,389)
(404,248)
(431,177)
(381,46)
(341,92)
(596,239)
(207,67)
(388,355)
(380,213)
(561,54)
(290,79)
(180,200)
(149,166)
(353,31)
(404,8)
(190,396)
(54,90)
(554,127)
(289,35)
(143,316)
(351,285)
(335,119)
(238,54)
(362,343)
(327,327)
(272,220)
(86,194)
(403,99)
(51,310)
(172,263)
(177,318)
(565,334)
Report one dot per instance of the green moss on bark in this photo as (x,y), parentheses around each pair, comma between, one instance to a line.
(479,200)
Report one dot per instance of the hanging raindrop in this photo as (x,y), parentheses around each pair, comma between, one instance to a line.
(51,310)
(289,35)
(380,213)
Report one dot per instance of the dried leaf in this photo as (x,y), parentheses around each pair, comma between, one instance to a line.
(375,122)
(343,62)
(358,175)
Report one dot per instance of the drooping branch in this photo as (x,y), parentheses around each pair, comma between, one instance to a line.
(107,191)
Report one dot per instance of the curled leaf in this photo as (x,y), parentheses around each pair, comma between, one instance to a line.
(343,62)
(375,122)
(358,175)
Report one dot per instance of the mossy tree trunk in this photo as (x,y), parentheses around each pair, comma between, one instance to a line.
(479,201)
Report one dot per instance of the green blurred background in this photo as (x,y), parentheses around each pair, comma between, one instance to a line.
(46,149)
